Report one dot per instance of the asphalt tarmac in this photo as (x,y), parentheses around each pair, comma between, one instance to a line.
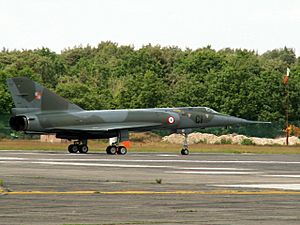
(44,187)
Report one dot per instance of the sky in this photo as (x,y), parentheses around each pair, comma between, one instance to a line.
(258,25)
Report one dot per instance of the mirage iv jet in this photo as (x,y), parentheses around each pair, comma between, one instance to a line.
(39,111)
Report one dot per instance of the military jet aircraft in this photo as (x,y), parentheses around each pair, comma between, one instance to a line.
(38,111)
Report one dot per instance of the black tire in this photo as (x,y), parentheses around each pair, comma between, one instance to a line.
(122,150)
(113,150)
(73,148)
(83,149)
(70,149)
(108,150)
(185,151)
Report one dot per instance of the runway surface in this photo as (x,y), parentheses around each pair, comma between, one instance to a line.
(44,187)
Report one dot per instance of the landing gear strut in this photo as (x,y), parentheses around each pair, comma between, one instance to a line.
(115,148)
(185,147)
(79,146)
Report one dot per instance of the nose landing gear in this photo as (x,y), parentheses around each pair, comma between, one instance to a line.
(185,147)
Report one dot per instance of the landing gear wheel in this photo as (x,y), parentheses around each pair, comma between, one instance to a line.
(111,150)
(108,150)
(83,149)
(184,151)
(70,149)
(122,150)
(73,148)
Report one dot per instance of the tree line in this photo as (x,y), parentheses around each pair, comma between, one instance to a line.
(238,82)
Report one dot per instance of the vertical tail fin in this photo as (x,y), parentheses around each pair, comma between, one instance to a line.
(30,96)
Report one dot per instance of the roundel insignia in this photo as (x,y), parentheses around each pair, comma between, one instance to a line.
(38,95)
(171,120)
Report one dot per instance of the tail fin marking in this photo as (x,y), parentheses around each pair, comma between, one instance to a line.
(28,94)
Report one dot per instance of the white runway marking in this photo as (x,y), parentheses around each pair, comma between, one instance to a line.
(167,155)
(61,162)
(204,161)
(163,160)
(283,175)
(12,158)
(32,153)
(295,187)
(86,164)
(101,165)
(213,172)
(209,168)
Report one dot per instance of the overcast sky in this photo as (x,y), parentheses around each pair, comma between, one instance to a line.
(259,25)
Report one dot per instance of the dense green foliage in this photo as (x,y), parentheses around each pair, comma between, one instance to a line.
(237,82)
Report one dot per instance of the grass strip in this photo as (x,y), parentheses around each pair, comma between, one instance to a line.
(100,146)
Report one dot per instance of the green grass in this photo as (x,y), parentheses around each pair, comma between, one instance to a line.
(2,185)
(158,180)
(100,146)
(247,141)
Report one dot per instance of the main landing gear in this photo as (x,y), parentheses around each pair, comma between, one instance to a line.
(79,146)
(115,149)
(185,147)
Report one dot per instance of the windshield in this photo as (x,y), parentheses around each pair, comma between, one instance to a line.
(210,110)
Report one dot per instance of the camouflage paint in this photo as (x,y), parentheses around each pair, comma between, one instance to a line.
(40,110)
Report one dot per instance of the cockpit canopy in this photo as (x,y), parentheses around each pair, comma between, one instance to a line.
(209,110)
(199,109)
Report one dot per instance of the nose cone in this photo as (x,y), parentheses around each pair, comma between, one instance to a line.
(235,120)
(223,120)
